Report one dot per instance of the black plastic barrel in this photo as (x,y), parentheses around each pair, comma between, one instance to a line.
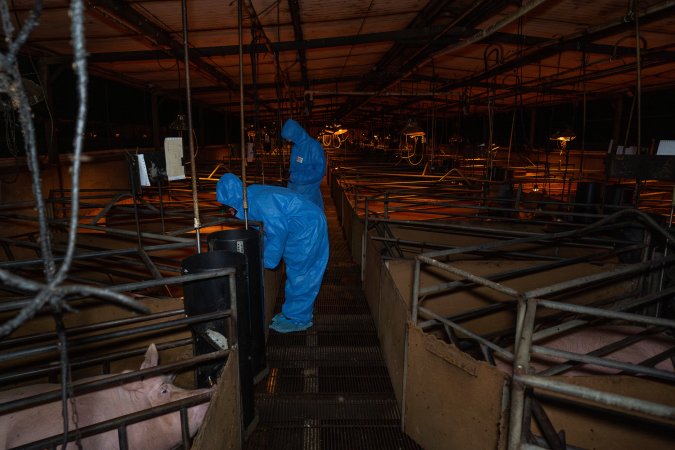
(247,242)
(588,197)
(502,174)
(213,295)
(617,195)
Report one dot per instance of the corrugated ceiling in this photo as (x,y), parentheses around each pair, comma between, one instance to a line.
(356,58)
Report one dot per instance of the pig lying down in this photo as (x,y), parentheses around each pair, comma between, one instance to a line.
(584,341)
(160,433)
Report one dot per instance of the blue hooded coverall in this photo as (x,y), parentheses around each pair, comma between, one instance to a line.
(308,162)
(295,229)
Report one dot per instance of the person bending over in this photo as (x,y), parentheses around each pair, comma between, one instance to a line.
(294,229)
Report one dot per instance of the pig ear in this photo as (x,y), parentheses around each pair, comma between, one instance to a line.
(134,385)
(151,357)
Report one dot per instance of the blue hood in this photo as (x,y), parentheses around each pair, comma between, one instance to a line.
(228,192)
(292,131)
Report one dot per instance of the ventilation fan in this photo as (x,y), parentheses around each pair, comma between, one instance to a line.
(34,94)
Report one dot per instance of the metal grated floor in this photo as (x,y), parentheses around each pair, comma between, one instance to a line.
(328,388)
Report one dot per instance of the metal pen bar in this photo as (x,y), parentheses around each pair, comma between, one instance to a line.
(605,398)
(603,276)
(437,288)
(133,234)
(587,359)
(521,365)
(163,326)
(88,361)
(124,421)
(469,276)
(129,287)
(599,312)
(619,306)
(110,381)
(23,340)
(507,354)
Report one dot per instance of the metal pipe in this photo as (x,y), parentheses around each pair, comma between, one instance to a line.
(638,73)
(605,398)
(96,254)
(416,291)
(665,250)
(240,22)
(364,241)
(427,312)
(185,426)
(23,340)
(372,93)
(7,356)
(469,276)
(619,306)
(558,262)
(521,366)
(87,386)
(9,306)
(587,359)
(604,276)
(129,233)
(126,420)
(191,146)
(88,361)
(599,312)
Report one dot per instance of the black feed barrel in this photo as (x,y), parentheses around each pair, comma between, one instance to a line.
(617,195)
(588,198)
(212,295)
(247,243)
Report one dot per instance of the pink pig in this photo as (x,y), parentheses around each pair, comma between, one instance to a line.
(160,433)
(586,340)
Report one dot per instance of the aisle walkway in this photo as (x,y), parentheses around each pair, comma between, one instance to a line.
(328,387)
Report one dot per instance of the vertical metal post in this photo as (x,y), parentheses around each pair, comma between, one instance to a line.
(188,101)
(234,344)
(363,242)
(185,427)
(665,249)
(638,71)
(520,367)
(240,23)
(416,291)
(154,110)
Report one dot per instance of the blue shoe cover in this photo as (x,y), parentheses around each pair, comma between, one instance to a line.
(278,316)
(281,324)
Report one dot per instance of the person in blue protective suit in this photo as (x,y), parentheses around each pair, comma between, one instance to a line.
(308,162)
(295,230)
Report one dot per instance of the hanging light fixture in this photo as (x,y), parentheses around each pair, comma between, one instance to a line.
(335,129)
(412,129)
(563,137)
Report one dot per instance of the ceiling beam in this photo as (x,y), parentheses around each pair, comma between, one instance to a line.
(404,59)
(160,36)
(409,37)
(294,7)
(576,41)
(580,41)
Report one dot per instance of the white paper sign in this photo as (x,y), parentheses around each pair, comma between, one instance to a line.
(173,153)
